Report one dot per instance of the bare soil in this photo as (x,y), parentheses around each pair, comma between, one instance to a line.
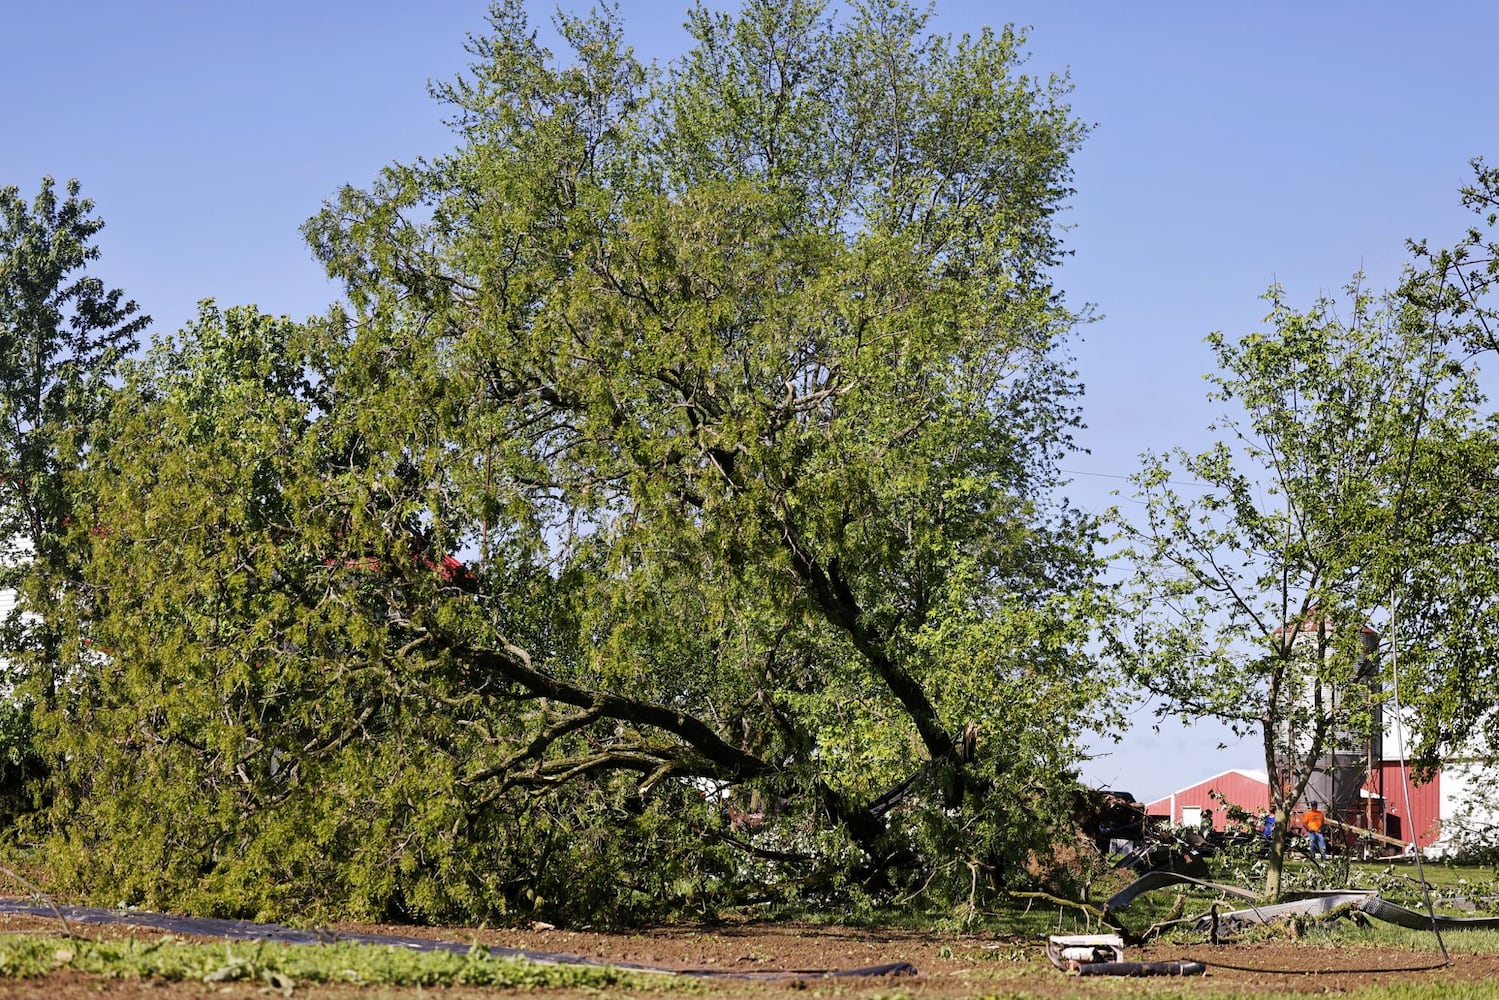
(949,965)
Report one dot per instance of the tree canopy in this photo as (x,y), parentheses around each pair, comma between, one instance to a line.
(668,521)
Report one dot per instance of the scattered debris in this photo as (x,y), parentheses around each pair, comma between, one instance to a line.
(1068,950)
(1321,904)
(1103,955)
(1348,903)
(1111,818)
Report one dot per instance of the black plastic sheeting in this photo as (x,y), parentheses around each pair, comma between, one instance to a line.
(1160,879)
(1140,969)
(244,930)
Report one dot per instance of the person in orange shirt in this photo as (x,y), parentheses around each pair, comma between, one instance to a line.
(1313,819)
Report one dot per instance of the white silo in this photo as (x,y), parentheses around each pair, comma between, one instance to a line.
(1350,701)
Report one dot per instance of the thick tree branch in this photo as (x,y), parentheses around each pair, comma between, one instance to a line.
(514,664)
(835,598)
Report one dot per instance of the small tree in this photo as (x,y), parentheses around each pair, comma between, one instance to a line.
(1254,584)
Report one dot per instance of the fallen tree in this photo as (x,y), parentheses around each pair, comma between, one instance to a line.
(690,442)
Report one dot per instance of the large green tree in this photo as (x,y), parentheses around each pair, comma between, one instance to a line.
(1445,582)
(668,521)
(1352,447)
(62,334)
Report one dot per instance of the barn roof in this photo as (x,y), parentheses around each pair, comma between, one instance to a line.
(1254,775)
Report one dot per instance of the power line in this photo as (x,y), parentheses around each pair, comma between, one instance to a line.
(1111,475)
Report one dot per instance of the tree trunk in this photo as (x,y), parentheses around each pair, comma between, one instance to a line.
(1275,865)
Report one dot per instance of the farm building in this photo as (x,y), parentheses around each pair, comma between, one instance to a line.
(1248,789)
(1358,786)
(1389,803)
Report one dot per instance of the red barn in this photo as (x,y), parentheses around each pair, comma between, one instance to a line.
(1248,789)
(1430,804)
(1420,813)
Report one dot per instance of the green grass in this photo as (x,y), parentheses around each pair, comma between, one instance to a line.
(1020,924)
(1196,989)
(1422,991)
(1458,942)
(284,965)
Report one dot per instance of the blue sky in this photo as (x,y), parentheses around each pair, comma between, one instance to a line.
(1234,145)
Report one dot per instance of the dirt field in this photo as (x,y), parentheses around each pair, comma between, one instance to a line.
(949,966)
